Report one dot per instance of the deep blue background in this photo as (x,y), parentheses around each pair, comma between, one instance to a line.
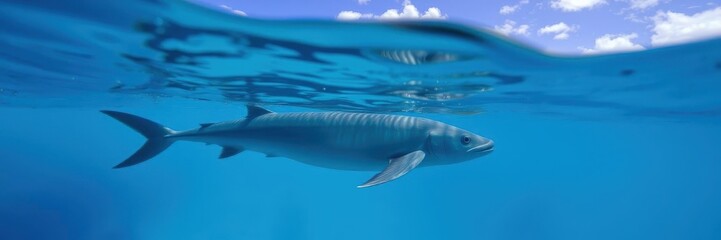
(549,178)
(613,147)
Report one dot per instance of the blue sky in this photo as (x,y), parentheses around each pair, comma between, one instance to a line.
(558,26)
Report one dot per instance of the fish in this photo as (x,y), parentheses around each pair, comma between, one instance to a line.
(391,144)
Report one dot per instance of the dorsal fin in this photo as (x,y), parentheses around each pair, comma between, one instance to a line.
(205,125)
(255,111)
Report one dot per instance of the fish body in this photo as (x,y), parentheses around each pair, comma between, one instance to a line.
(337,140)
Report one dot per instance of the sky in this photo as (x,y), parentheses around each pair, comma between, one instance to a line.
(556,26)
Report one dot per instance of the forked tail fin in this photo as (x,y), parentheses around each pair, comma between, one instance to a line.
(157,142)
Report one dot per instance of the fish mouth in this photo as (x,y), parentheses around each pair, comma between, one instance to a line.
(487,147)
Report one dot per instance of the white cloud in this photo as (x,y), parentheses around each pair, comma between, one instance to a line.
(349,15)
(575,5)
(614,43)
(560,30)
(363,2)
(509,27)
(642,4)
(409,11)
(434,12)
(508,9)
(235,11)
(672,28)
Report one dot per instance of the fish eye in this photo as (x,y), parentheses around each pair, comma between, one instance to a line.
(465,140)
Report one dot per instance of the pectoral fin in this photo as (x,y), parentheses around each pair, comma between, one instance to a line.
(397,167)
(229,152)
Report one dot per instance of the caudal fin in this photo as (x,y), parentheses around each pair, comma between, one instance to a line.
(156,143)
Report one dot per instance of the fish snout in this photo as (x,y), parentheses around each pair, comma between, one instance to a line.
(485,146)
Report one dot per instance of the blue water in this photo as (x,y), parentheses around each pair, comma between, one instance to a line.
(618,146)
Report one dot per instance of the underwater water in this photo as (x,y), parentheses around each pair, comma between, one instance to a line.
(622,146)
